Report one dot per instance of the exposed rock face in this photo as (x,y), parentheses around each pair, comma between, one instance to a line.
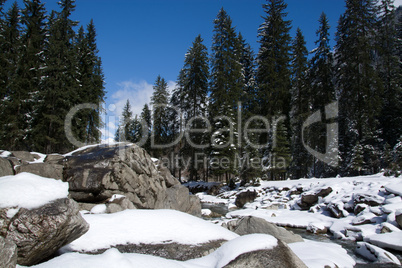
(5,167)
(46,170)
(309,199)
(398,217)
(255,225)
(368,199)
(96,173)
(8,253)
(24,156)
(278,257)
(39,233)
(245,197)
(173,251)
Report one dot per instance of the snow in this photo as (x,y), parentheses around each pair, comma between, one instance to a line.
(26,190)
(320,254)
(113,258)
(146,226)
(98,209)
(388,240)
(395,187)
(376,254)
(5,153)
(234,248)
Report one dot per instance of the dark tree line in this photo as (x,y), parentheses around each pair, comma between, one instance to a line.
(354,87)
(46,68)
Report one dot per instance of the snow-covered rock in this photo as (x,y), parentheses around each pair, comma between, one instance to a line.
(319,254)
(388,240)
(26,190)
(37,216)
(175,234)
(376,254)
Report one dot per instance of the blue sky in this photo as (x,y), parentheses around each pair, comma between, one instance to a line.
(140,39)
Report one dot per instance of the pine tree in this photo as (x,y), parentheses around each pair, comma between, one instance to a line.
(389,46)
(31,65)
(357,80)
(160,101)
(91,84)
(225,87)
(248,150)
(60,86)
(273,74)
(11,133)
(191,97)
(146,118)
(322,93)
(300,105)
(357,163)
(281,153)
(124,131)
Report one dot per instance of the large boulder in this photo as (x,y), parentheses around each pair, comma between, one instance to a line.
(96,173)
(8,253)
(39,233)
(5,167)
(255,225)
(278,257)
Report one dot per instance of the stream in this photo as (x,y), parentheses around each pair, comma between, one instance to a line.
(349,246)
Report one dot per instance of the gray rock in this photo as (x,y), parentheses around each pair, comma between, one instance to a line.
(173,251)
(309,199)
(97,173)
(278,257)
(398,218)
(54,159)
(245,197)
(47,170)
(8,253)
(119,204)
(337,210)
(6,168)
(23,155)
(39,233)
(368,199)
(255,225)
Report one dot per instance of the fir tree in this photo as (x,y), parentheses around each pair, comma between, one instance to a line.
(125,129)
(191,97)
(322,93)
(300,105)
(357,80)
(146,118)
(160,101)
(12,132)
(91,84)
(389,46)
(273,75)
(60,86)
(281,154)
(225,86)
(248,150)
(31,65)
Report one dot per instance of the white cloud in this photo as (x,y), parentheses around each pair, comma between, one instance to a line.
(138,93)
(398,3)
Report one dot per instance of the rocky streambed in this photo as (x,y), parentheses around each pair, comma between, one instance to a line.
(362,214)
